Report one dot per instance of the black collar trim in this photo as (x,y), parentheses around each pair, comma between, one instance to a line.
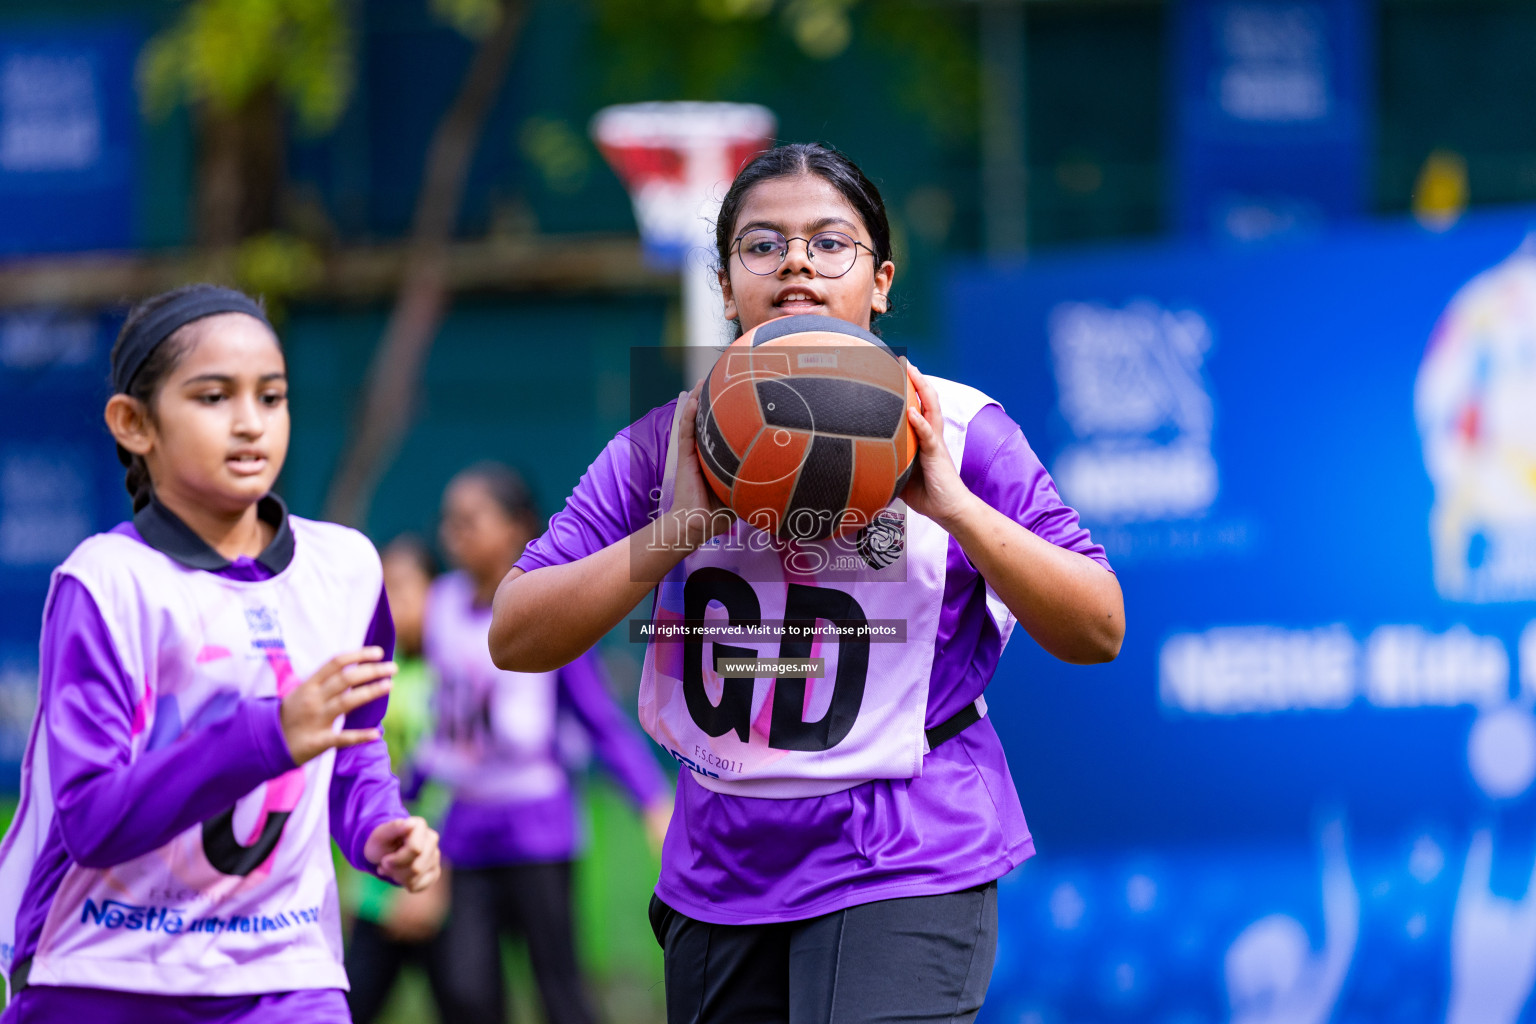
(164,531)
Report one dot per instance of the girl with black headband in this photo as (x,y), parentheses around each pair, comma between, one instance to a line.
(213,673)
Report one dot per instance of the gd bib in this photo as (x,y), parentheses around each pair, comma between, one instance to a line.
(855,619)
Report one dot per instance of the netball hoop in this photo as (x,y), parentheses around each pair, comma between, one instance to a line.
(677,160)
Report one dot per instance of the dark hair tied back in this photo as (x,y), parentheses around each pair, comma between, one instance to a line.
(146,381)
(507,487)
(824,162)
(415,547)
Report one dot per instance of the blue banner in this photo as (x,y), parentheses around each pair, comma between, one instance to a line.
(1273,103)
(59,483)
(68,138)
(1305,788)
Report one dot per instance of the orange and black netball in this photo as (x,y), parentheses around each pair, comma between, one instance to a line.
(802,427)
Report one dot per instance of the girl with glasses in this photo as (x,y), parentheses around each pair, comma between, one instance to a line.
(784,896)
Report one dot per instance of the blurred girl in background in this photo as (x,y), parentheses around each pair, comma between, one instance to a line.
(393,929)
(170,858)
(510,832)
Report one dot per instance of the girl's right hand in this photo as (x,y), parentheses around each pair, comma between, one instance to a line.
(699,512)
(343,684)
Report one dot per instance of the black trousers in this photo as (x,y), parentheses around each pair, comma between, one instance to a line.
(533,900)
(923,958)
(374,961)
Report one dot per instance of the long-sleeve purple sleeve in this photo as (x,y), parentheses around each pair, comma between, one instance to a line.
(364,791)
(617,741)
(111,809)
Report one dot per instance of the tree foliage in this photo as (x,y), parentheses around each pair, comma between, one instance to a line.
(223,53)
(248,69)
(756,49)
(472,18)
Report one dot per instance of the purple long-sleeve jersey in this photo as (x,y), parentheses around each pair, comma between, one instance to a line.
(496,743)
(109,808)
(744,860)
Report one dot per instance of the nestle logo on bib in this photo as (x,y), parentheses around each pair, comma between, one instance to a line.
(116,914)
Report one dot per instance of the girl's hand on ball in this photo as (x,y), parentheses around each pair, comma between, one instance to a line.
(700,512)
(405,852)
(343,684)
(935,488)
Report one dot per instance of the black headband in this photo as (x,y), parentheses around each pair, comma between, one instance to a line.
(148,332)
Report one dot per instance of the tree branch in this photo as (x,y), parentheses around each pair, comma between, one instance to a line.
(562,264)
(389,397)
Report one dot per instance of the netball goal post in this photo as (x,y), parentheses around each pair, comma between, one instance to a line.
(677,160)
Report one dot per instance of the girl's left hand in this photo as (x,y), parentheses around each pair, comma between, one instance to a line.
(935,488)
(405,852)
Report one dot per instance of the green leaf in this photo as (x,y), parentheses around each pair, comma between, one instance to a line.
(225,52)
(472,18)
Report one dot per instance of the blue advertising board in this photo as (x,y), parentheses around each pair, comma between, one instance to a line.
(59,483)
(68,138)
(1304,791)
(1272,108)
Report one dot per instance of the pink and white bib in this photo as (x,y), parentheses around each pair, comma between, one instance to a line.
(494,729)
(245,902)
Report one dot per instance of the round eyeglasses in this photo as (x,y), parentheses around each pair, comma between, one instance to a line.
(832,253)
